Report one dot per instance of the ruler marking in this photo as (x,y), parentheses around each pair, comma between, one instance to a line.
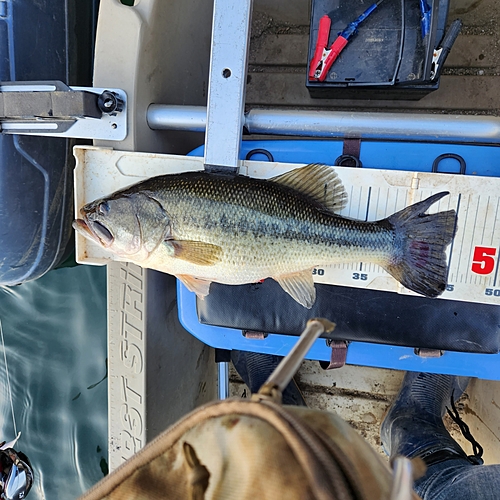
(378,201)
(496,275)
(485,220)
(368,203)
(473,234)
(463,234)
(492,239)
(359,202)
(453,240)
(496,271)
(498,249)
(495,222)
(373,206)
(350,202)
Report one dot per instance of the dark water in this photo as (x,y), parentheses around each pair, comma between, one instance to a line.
(55,341)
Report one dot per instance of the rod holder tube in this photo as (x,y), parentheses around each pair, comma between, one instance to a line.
(187,118)
(338,124)
(382,126)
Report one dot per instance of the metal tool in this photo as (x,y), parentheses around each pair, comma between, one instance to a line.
(324,58)
(441,52)
(283,374)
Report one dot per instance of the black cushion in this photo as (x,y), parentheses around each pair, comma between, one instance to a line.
(360,315)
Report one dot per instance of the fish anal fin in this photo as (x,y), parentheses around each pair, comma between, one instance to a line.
(199,286)
(300,286)
(318,182)
(196,252)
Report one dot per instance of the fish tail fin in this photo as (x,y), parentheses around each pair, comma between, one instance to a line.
(419,260)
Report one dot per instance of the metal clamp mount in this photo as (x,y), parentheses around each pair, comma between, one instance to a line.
(51,108)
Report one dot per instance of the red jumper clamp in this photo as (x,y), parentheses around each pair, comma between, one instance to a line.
(324,58)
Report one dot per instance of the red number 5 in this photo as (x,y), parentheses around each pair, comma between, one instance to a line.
(483,261)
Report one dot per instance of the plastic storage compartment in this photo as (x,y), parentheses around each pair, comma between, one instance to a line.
(404,156)
(388,58)
(43,40)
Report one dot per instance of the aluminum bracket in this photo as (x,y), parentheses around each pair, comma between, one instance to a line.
(56,110)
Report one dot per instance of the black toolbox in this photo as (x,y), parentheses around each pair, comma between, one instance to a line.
(388,57)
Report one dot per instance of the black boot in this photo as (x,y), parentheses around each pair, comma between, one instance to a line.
(255,368)
(413,426)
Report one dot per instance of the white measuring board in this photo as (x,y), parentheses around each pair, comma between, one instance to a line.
(373,194)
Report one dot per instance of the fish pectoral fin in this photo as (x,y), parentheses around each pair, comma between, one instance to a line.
(197,285)
(319,182)
(196,252)
(300,286)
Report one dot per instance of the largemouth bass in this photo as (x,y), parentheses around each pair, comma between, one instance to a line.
(235,229)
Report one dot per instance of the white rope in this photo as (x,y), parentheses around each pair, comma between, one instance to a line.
(8,379)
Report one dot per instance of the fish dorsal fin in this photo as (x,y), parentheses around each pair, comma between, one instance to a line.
(196,252)
(317,181)
(300,286)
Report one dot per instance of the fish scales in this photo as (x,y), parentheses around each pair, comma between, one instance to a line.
(205,227)
(249,218)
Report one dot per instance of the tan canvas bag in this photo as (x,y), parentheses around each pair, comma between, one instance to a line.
(259,450)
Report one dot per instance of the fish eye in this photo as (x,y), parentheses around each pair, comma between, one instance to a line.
(103,208)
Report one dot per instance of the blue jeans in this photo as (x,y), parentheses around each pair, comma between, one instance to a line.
(458,479)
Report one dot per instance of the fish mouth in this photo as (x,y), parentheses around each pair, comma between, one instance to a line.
(94,231)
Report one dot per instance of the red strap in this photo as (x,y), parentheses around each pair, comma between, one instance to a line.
(338,355)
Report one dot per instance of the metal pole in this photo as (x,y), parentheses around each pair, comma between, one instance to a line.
(223,374)
(187,118)
(289,365)
(222,120)
(226,89)
(337,124)
(403,479)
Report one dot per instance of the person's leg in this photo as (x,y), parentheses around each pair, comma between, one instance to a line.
(413,427)
(458,479)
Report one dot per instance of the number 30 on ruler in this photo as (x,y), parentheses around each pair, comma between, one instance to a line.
(483,260)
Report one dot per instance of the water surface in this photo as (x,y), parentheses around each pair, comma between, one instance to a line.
(55,342)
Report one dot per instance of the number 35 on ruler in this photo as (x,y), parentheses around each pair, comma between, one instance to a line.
(483,260)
